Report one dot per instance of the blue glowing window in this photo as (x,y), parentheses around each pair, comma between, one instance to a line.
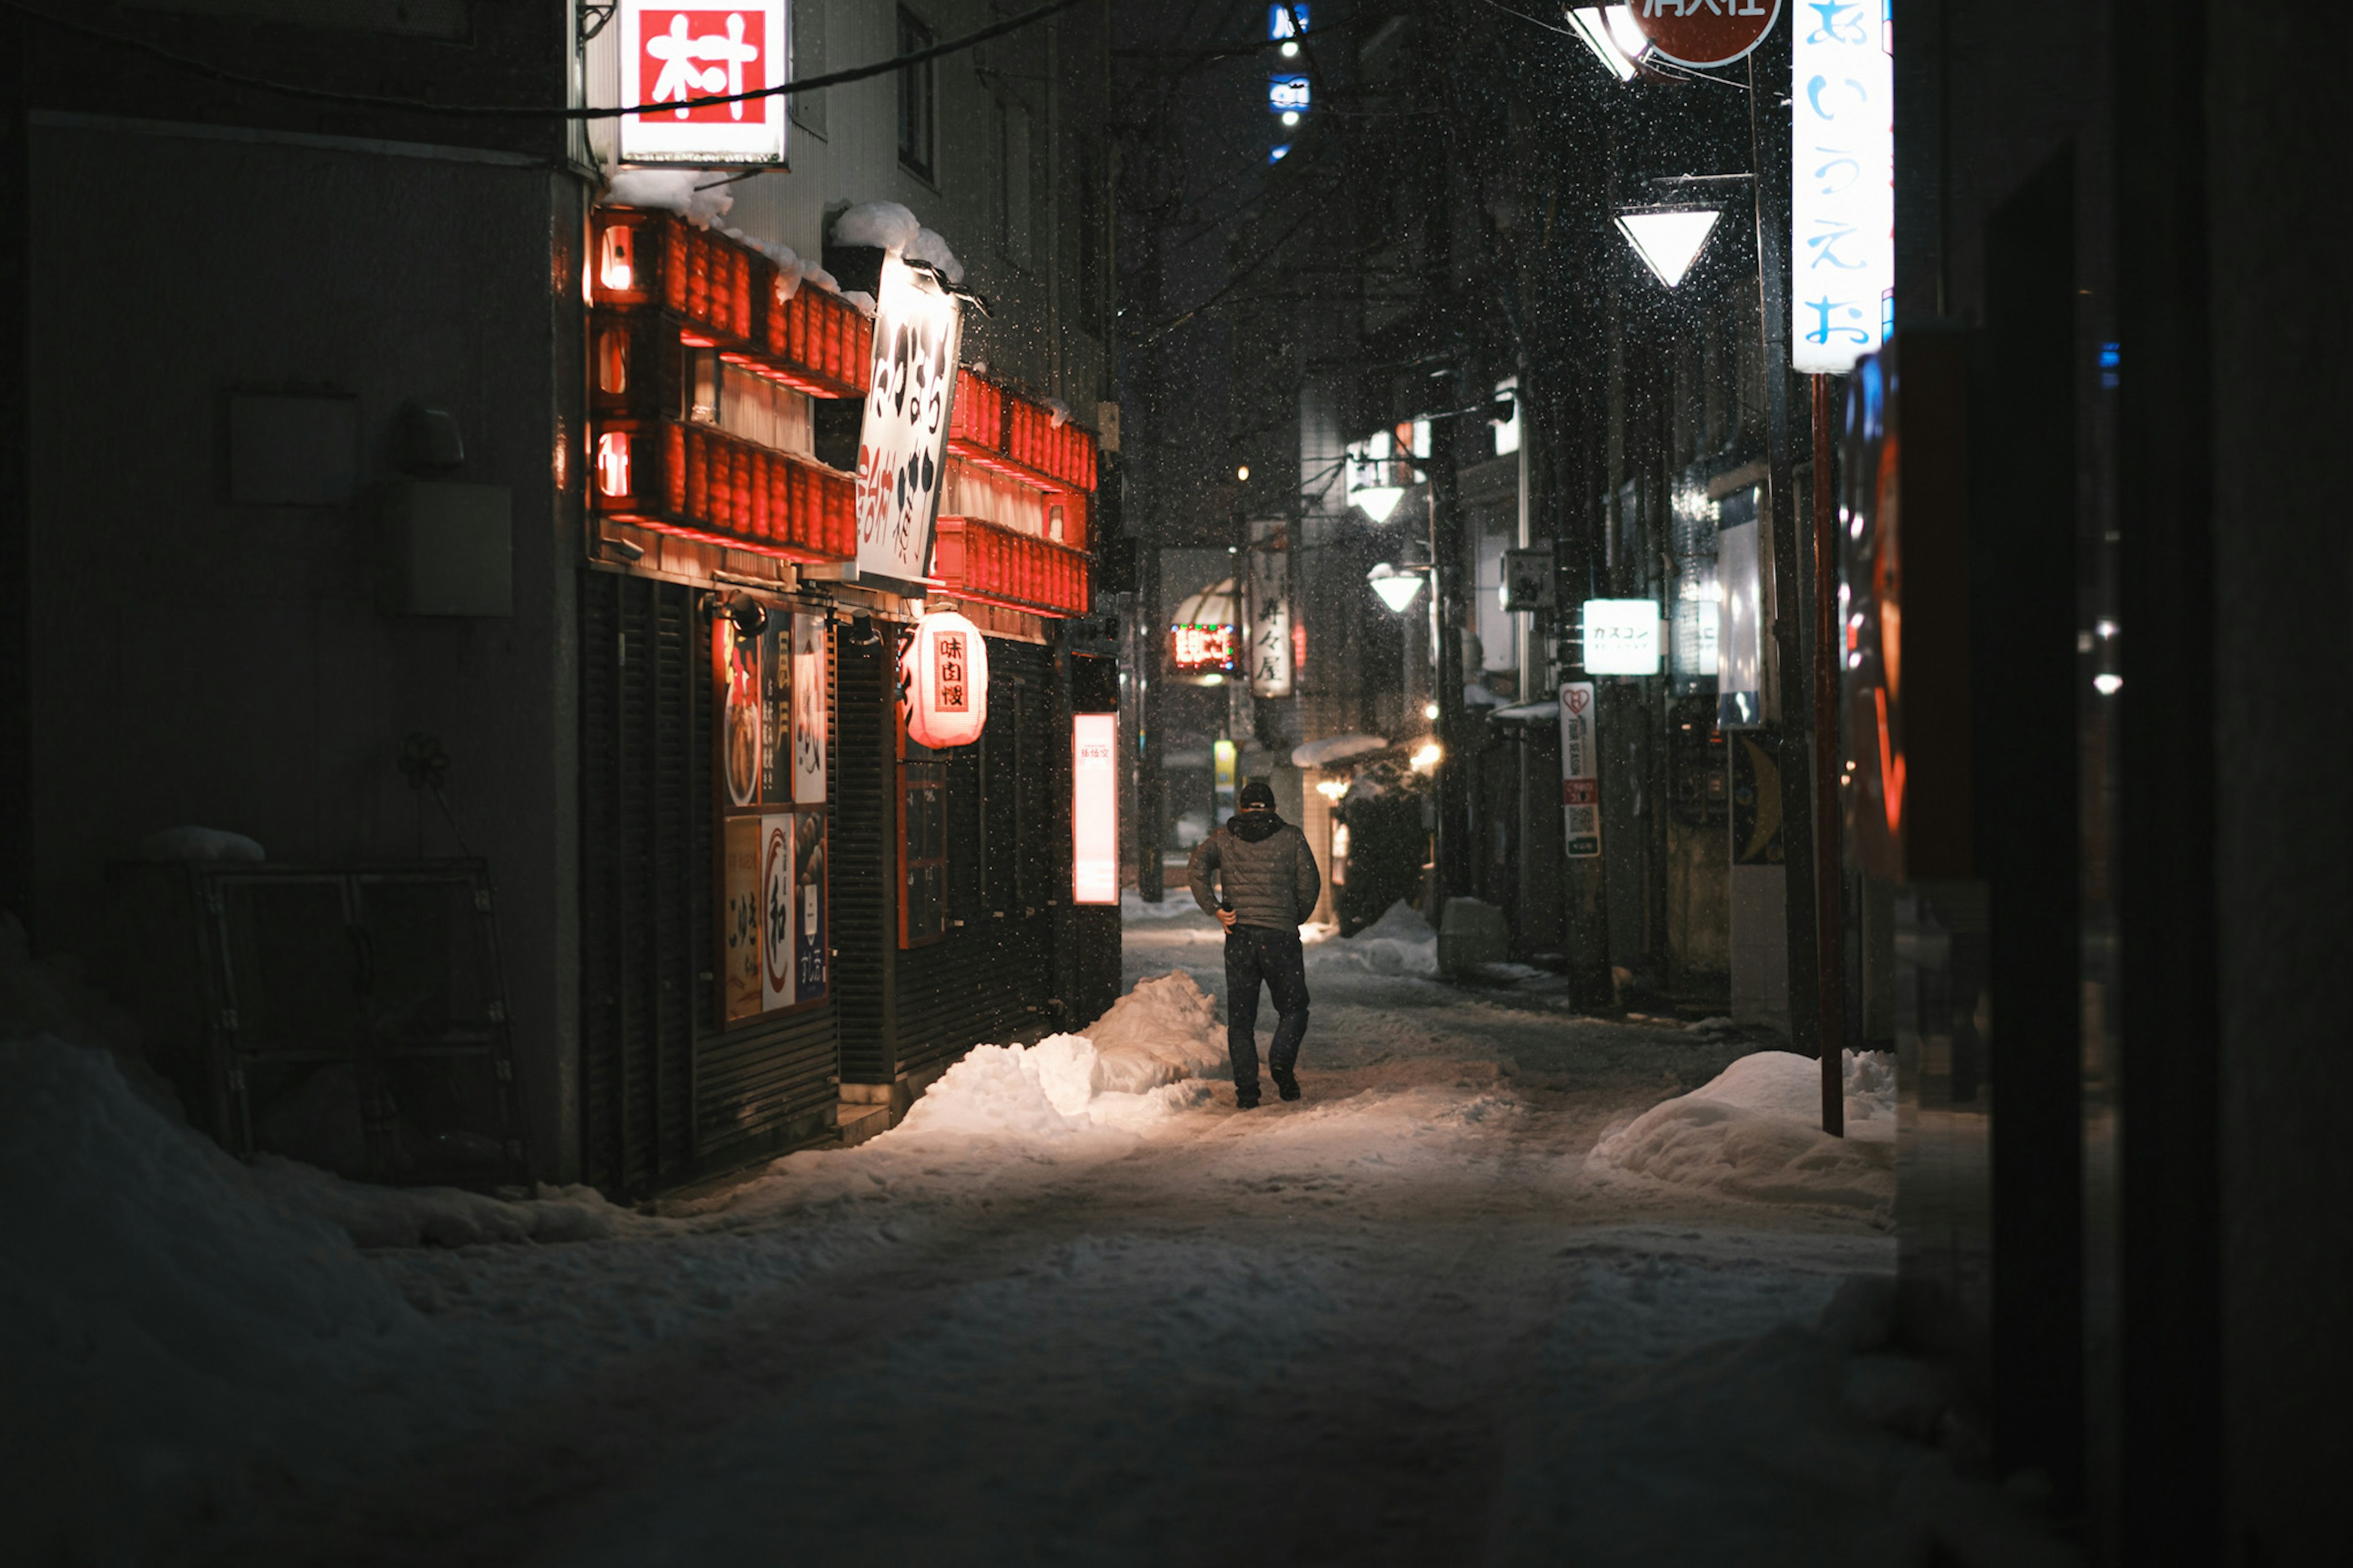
(1277,154)
(1285,21)
(1290,92)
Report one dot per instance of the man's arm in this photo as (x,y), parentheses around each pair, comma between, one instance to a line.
(1204,862)
(1307,882)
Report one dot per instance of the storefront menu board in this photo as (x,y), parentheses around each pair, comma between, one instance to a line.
(770,692)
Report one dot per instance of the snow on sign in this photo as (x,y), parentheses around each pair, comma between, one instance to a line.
(903,444)
(1841,184)
(671,54)
(1580,774)
(1706,32)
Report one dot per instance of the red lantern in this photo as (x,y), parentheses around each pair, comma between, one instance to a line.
(946,674)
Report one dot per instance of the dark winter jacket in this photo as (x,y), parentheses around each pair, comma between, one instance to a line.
(1268,872)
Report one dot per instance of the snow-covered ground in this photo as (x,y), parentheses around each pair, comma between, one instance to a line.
(1501,1288)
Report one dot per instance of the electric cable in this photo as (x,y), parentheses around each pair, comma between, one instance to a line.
(525,112)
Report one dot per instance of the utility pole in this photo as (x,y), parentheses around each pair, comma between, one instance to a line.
(1448,582)
(1769,147)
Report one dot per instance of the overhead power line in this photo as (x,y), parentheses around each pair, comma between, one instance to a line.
(528,112)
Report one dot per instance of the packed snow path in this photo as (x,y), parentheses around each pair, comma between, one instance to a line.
(1411,1318)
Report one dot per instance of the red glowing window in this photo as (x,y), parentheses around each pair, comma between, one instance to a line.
(613,463)
(614,270)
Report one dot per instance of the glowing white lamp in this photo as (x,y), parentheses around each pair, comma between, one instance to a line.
(1611,33)
(1398,589)
(1668,242)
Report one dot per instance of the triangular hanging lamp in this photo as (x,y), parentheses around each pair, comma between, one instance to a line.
(1668,242)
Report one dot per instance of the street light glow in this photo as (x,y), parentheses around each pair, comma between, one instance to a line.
(1376,501)
(1242,473)
(1601,29)
(1398,589)
(1427,758)
(1668,242)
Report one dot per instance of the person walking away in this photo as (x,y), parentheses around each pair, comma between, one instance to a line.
(1268,884)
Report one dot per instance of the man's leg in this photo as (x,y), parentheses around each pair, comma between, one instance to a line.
(1242,975)
(1286,979)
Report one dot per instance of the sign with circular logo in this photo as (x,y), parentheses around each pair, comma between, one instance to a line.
(1704,32)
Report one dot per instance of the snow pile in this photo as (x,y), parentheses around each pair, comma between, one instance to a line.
(1129,1067)
(439,1216)
(885,225)
(166,1332)
(672,191)
(1399,942)
(1754,1131)
(1336,749)
(1165,1029)
(198,844)
(858,299)
(930,247)
(890,226)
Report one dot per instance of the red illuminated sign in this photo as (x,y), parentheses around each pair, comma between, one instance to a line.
(673,55)
(1196,648)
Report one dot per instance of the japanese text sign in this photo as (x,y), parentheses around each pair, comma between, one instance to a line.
(673,54)
(1704,32)
(903,442)
(1580,778)
(1842,183)
(1094,808)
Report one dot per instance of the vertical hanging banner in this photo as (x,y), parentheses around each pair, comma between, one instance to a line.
(671,54)
(1841,184)
(1270,624)
(1094,808)
(809,717)
(1580,775)
(903,442)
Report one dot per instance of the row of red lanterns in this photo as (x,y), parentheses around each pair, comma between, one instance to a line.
(693,481)
(1001,566)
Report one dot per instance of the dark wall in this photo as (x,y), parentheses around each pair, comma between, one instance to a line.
(2279,231)
(195,661)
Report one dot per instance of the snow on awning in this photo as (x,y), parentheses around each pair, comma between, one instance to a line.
(1546,712)
(1335,748)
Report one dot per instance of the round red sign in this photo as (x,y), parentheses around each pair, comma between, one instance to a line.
(1704,32)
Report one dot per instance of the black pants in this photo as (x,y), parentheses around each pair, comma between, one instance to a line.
(1254,954)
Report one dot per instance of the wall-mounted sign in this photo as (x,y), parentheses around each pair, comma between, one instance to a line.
(1200,649)
(670,54)
(1621,636)
(770,699)
(809,650)
(1580,772)
(946,676)
(1704,32)
(903,443)
(1841,184)
(1094,808)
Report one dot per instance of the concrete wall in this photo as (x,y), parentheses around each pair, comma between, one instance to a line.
(195,661)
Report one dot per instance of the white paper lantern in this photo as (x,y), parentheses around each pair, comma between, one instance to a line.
(946,676)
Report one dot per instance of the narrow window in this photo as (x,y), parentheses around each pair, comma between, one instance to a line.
(915,88)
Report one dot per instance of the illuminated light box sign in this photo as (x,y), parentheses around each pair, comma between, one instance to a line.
(671,54)
(1094,808)
(1621,636)
(1706,32)
(1197,649)
(903,444)
(1841,186)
